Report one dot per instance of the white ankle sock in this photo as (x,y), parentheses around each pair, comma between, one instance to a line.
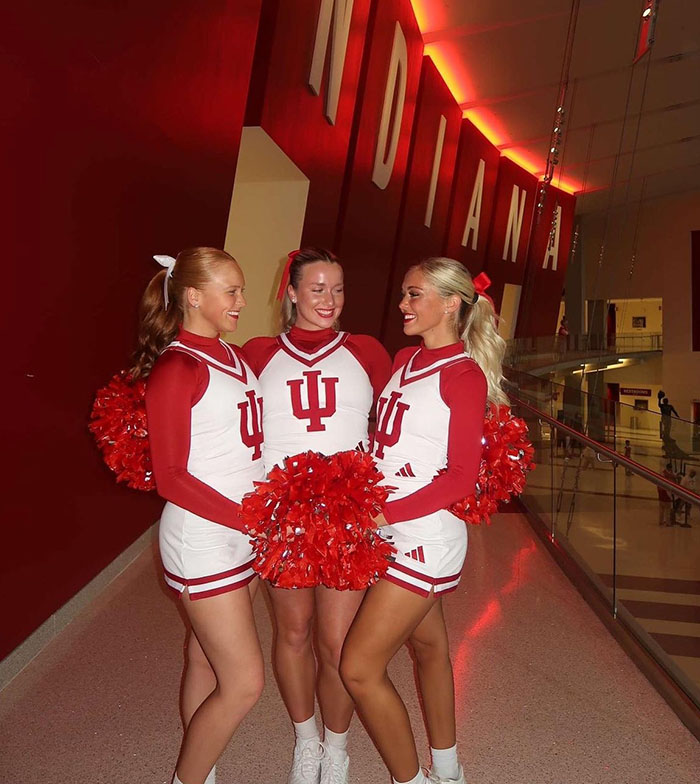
(336,742)
(306,730)
(419,778)
(445,762)
(210,779)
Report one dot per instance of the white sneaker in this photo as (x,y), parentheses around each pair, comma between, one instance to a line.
(334,767)
(306,765)
(433,778)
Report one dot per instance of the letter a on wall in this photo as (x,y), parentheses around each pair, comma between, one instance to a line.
(515,223)
(552,251)
(474,214)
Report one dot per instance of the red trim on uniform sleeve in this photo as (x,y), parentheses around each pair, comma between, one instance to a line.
(175,384)
(463,388)
(257,352)
(374,358)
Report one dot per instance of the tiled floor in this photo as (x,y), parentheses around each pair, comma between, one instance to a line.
(544,693)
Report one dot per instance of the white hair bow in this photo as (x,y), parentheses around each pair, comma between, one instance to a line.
(169,263)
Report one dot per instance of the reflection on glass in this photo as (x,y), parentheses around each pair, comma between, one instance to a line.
(638,545)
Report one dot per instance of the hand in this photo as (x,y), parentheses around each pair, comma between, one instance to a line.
(380,521)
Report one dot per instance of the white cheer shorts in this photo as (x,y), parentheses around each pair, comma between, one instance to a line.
(430,553)
(202,556)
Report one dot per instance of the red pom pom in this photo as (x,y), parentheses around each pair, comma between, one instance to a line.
(118,422)
(506,459)
(311,522)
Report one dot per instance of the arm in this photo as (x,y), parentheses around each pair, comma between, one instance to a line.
(176,383)
(463,389)
(257,352)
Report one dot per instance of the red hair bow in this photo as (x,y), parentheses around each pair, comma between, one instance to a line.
(481,283)
(284,282)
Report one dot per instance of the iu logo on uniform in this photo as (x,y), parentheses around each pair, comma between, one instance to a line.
(390,414)
(251,431)
(314,411)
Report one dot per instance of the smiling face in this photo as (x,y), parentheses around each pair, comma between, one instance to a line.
(426,313)
(215,307)
(319,295)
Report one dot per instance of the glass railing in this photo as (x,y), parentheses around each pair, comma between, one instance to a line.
(545,350)
(645,436)
(634,532)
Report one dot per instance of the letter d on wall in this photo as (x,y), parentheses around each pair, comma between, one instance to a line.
(398,69)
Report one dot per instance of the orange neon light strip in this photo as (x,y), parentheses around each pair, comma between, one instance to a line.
(431,16)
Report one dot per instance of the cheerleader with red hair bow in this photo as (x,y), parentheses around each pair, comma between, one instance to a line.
(319,386)
(428,445)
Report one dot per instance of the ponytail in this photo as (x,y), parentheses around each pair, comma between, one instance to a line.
(485,346)
(157,326)
(476,321)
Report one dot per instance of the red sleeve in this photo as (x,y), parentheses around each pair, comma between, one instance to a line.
(257,352)
(402,357)
(174,386)
(374,358)
(463,388)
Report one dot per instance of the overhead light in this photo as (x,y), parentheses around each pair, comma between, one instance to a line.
(646,13)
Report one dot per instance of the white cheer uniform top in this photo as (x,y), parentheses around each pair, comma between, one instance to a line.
(318,390)
(226,425)
(430,418)
(204,407)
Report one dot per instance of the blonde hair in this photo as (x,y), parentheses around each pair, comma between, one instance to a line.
(159,325)
(288,313)
(475,321)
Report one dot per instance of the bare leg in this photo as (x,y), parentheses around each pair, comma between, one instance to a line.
(336,610)
(431,647)
(199,680)
(293,656)
(225,628)
(384,622)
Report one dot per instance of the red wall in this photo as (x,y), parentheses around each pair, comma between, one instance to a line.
(415,240)
(500,270)
(542,291)
(121,125)
(473,148)
(282,102)
(369,214)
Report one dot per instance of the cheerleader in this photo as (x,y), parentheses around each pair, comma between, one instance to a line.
(203,404)
(429,419)
(319,385)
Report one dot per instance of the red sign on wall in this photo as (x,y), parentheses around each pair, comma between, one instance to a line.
(635,391)
(374,185)
(427,189)
(548,256)
(303,94)
(473,195)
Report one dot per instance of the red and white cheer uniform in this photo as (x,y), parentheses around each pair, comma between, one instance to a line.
(318,387)
(204,409)
(430,417)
